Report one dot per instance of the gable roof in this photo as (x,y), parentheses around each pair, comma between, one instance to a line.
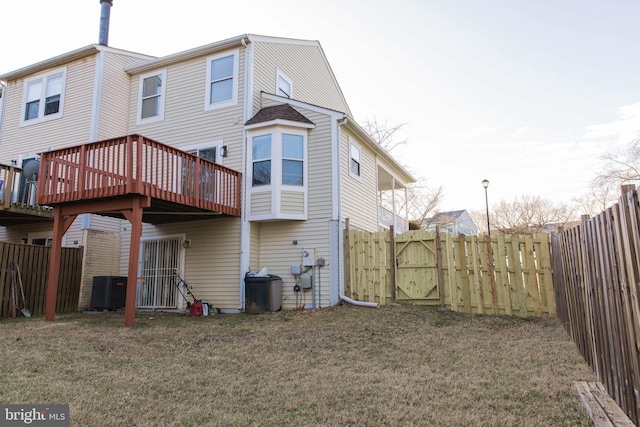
(278,112)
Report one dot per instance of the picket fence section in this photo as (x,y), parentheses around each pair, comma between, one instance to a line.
(473,274)
(32,262)
(597,280)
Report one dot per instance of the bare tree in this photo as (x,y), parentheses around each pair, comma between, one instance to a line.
(528,215)
(384,133)
(622,167)
(422,201)
(600,196)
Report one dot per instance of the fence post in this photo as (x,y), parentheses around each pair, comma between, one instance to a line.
(440,270)
(392,251)
(492,277)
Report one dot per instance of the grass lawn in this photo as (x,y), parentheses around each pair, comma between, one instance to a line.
(340,366)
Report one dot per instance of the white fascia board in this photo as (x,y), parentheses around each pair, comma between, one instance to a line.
(281,122)
(281,40)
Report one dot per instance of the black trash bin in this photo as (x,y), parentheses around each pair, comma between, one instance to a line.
(262,293)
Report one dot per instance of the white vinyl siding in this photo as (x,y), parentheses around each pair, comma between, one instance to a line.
(305,66)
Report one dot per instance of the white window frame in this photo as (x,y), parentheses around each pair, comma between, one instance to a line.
(43,79)
(163,88)
(281,75)
(218,143)
(234,91)
(276,187)
(353,145)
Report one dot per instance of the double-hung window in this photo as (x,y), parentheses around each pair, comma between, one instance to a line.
(43,97)
(292,159)
(261,156)
(152,96)
(354,161)
(222,80)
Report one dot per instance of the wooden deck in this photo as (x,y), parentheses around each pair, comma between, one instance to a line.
(17,199)
(181,186)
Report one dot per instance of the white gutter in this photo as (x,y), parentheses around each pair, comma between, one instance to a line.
(3,90)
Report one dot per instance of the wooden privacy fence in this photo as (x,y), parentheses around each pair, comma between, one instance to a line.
(473,274)
(33,263)
(597,281)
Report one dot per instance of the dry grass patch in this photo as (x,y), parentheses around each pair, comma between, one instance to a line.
(342,366)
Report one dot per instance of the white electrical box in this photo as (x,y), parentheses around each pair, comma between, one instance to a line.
(308,257)
(295,269)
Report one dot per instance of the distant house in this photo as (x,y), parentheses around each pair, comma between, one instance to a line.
(453,222)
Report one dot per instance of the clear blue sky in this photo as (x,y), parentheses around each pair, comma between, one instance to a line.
(528,94)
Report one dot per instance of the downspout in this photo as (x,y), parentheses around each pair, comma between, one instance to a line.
(3,90)
(245,226)
(338,216)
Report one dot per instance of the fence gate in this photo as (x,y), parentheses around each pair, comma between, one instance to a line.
(160,259)
(416,271)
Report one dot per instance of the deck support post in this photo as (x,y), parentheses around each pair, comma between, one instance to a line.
(60,226)
(134,215)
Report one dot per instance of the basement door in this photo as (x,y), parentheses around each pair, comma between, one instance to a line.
(160,259)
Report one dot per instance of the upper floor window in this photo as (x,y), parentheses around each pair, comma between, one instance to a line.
(43,97)
(261,157)
(284,86)
(151,99)
(354,160)
(222,80)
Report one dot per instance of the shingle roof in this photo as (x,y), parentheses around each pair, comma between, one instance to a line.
(278,112)
(442,217)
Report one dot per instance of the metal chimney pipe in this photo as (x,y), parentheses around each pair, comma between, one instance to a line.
(103,38)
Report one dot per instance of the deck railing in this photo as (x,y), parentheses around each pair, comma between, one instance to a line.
(135,164)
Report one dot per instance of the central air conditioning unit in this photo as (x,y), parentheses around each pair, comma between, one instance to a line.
(108,292)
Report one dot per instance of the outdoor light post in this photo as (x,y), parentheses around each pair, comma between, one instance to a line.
(485,184)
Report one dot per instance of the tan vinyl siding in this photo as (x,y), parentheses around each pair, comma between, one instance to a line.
(359,196)
(105,223)
(114,102)
(17,233)
(292,202)
(211,264)
(185,120)
(305,65)
(278,253)
(101,258)
(261,203)
(71,129)
(254,241)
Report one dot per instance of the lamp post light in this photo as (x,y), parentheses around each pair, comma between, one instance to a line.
(485,184)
